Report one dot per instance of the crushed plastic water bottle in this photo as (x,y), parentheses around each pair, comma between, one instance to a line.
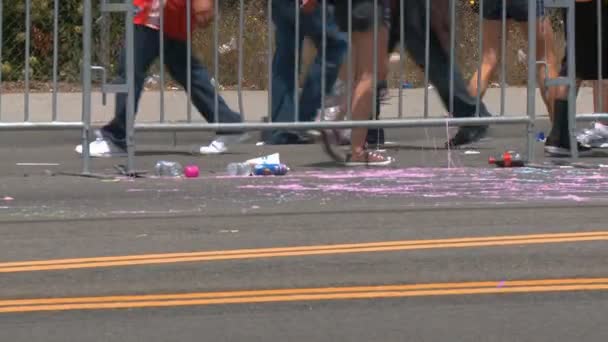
(239,169)
(165,168)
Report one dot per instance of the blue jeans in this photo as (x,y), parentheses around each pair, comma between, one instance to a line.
(283,64)
(147,49)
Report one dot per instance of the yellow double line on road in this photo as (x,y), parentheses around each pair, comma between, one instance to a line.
(305,294)
(388,246)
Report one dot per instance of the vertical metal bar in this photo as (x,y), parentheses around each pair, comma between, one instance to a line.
(571,48)
(480,65)
(216,59)
(189,60)
(130,69)
(323,55)
(28,24)
(503,59)
(270,50)
(161,53)
(87,31)
(375,63)
(401,56)
(427,57)
(349,67)
(240,52)
(531,100)
(1,63)
(296,76)
(600,64)
(55,56)
(105,49)
(452,52)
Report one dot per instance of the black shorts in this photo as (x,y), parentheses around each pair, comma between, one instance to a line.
(586,42)
(516,9)
(362,14)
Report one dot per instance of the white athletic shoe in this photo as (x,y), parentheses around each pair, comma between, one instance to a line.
(221,143)
(103,148)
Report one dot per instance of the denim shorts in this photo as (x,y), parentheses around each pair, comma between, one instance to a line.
(516,9)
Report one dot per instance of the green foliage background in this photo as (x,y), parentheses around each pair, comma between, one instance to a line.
(255,44)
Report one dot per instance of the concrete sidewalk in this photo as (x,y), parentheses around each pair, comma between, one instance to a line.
(255,105)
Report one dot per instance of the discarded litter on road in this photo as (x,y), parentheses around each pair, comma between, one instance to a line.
(165,168)
(270,170)
(540,137)
(263,166)
(191,171)
(508,159)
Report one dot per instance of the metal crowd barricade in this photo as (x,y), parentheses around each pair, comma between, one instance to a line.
(50,121)
(424,120)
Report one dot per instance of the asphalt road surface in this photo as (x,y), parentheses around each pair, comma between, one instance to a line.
(417,252)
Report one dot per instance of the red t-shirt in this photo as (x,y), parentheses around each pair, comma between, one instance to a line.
(175,19)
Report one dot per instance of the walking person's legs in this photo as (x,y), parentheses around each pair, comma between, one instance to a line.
(283,71)
(364,45)
(545,47)
(336,45)
(489,57)
(110,140)
(464,104)
(202,94)
(596,135)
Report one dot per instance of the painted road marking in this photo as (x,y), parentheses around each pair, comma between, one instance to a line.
(387,246)
(304,294)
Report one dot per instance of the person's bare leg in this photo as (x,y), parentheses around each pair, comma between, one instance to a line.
(545,51)
(489,61)
(362,101)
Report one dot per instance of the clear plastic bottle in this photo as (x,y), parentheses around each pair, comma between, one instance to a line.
(239,169)
(165,168)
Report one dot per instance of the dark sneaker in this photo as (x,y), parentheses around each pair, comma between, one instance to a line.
(289,138)
(107,135)
(467,135)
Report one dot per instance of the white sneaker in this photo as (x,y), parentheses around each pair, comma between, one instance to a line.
(220,144)
(103,148)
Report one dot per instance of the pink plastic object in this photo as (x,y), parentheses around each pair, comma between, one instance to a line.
(191,171)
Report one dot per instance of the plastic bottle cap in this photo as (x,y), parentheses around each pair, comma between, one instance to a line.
(191,171)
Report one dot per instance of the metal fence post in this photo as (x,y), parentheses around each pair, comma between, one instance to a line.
(571,44)
(531,101)
(130,71)
(87,31)
(28,36)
